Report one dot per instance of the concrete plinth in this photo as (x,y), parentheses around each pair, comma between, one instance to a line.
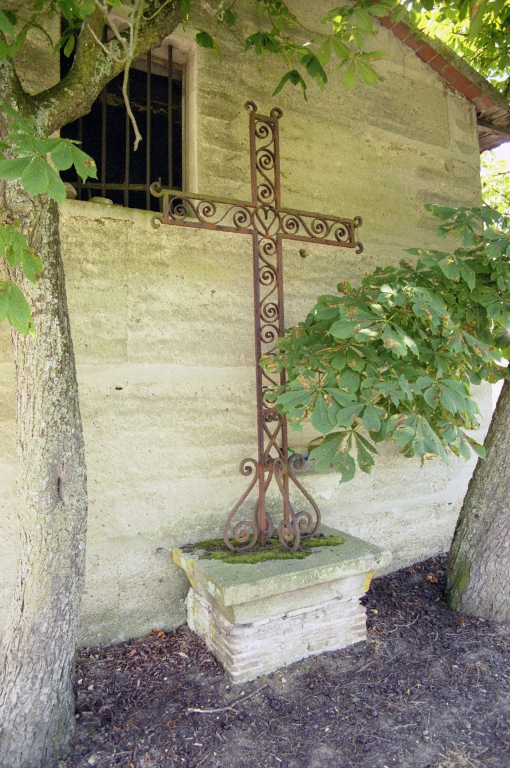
(260,617)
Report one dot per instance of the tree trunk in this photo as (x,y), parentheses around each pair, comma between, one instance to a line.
(479,562)
(37,656)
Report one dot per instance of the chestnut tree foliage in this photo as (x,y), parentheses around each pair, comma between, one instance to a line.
(395,359)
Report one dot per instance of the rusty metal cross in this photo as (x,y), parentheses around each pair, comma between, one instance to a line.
(269,224)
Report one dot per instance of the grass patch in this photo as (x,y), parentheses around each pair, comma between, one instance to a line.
(215,549)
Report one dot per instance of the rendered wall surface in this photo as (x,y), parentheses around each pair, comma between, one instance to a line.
(162,327)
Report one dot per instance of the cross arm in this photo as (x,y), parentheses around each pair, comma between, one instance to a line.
(317,228)
(186,209)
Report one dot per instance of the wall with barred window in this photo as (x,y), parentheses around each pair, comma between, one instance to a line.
(163,324)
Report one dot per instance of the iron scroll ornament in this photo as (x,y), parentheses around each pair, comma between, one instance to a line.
(268,224)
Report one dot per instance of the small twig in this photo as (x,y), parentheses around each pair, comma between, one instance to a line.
(150,18)
(112,26)
(125,93)
(103,46)
(398,626)
(230,706)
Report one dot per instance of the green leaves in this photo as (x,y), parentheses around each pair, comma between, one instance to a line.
(15,249)
(28,158)
(39,178)
(14,307)
(351,24)
(314,68)
(205,40)
(291,77)
(7,22)
(394,359)
(262,42)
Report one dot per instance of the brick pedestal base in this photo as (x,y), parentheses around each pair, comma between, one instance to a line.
(258,618)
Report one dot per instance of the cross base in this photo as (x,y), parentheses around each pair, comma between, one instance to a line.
(256,620)
(294,525)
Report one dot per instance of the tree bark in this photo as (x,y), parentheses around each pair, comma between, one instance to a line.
(479,561)
(37,653)
(37,656)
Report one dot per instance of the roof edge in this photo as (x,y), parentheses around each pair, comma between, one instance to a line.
(492,108)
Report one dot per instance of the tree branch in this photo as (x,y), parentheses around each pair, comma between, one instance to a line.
(11,90)
(94,66)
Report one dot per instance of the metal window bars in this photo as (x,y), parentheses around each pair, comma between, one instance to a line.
(159,154)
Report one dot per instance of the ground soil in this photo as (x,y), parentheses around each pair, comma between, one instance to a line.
(429,688)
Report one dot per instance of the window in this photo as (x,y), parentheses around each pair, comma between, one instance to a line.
(123,175)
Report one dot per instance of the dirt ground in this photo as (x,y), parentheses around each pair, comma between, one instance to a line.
(429,689)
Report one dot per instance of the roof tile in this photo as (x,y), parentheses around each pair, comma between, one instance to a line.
(449,73)
(400,30)
(438,63)
(426,53)
(413,43)
(471,92)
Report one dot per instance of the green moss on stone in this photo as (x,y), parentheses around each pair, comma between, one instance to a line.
(249,558)
(215,549)
(322,541)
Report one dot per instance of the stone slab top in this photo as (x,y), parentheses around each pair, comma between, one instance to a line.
(232,584)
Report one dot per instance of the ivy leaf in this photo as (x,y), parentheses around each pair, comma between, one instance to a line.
(19,312)
(186,7)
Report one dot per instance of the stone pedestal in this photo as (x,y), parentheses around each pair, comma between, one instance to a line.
(258,618)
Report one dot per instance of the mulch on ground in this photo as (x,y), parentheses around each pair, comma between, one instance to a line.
(429,689)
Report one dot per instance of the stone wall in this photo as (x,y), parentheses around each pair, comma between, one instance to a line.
(162,325)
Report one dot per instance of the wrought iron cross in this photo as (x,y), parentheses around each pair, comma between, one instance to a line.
(269,224)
